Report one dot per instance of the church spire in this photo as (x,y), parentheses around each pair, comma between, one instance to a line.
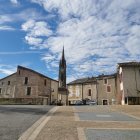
(63,55)
(62,71)
(63,61)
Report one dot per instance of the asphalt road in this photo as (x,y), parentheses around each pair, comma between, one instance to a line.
(15,119)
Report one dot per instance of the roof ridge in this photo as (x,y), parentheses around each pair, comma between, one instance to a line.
(21,67)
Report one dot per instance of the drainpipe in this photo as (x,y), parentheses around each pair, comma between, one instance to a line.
(136,79)
(50,92)
(82,91)
(96,92)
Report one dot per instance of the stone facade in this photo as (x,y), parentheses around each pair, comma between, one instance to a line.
(26,83)
(82,89)
(120,88)
(8,88)
(101,89)
(129,83)
(106,89)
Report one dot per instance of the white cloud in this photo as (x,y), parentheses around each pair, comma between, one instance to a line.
(7,28)
(19,52)
(14,1)
(48,57)
(96,34)
(5,18)
(33,41)
(133,42)
(36,30)
(7,69)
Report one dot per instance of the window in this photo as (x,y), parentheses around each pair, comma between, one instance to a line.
(45,82)
(0,90)
(8,82)
(2,83)
(28,91)
(108,88)
(19,72)
(105,81)
(26,81)
(89,92)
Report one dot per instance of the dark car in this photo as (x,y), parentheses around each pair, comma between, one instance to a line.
(79,102)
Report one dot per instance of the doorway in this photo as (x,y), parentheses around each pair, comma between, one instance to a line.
(105,102)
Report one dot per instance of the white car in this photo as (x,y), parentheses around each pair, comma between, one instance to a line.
(90,102)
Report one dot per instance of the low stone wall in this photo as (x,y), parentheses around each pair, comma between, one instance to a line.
(25,101)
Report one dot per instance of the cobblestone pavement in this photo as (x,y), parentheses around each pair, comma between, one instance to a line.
(66,124)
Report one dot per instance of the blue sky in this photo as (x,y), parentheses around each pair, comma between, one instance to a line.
(96,34)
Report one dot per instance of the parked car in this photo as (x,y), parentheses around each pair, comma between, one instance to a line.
(91,102)
(79,102)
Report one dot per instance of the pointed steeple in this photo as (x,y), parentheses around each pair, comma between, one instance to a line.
(63,54)
(62,70)
(63,61)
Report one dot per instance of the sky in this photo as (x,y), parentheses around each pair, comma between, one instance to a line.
(96,35)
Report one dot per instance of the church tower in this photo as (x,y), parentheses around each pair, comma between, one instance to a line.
(62,89)
(62,71)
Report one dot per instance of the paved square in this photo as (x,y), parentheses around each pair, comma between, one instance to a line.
(110,116)
(102,134)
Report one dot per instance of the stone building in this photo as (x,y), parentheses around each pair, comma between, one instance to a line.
(120,88)
(101,89)
(106,89)
(129,83)
(29,84)
(82,89)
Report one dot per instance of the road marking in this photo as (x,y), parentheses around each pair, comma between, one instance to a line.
(113,128)
(32,132)
(138,118)
(76,115)
(106,116)
(81,133)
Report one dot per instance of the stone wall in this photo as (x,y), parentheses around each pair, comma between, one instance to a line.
(103,94)
(26,83)
(20,101)
(86,88)
(8,86)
